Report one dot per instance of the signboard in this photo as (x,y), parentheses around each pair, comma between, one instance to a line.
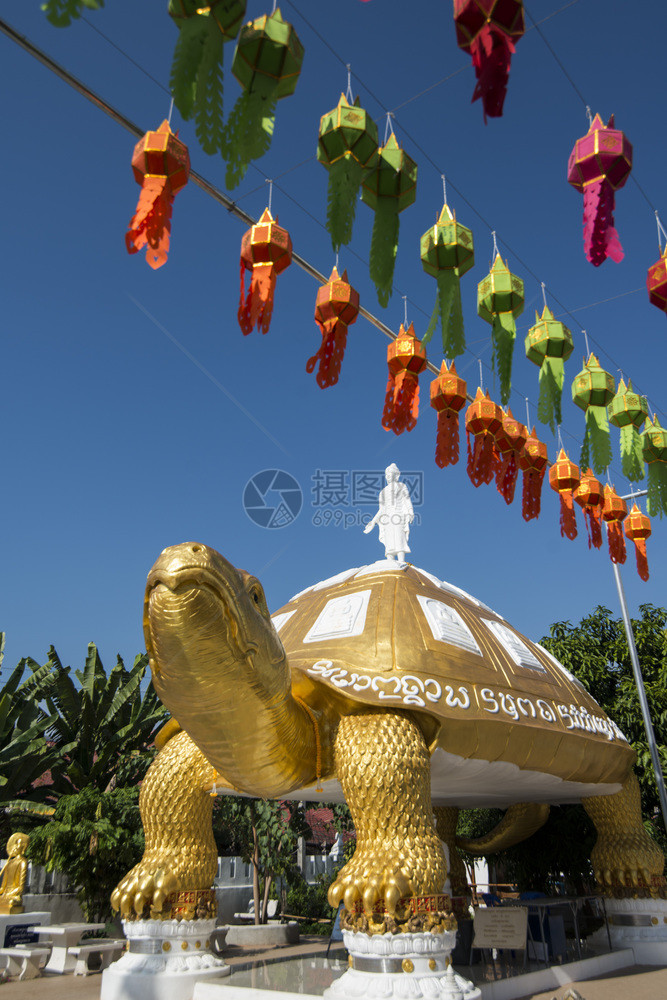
(20,934)
(500,927)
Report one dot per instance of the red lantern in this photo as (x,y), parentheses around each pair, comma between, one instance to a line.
(448,397)
(484,418)
(509,442)
(614,511)
(161,164)
(564,477)
(599,164)
(656,282)
(589,497)
(406,358)
(488,30)
(336,307)
(266,250)
(533,461)
(638,529)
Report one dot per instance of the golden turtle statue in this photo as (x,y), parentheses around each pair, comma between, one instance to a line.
(396,690)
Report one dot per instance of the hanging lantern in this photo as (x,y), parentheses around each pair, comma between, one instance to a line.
(266,250)
(509,443)
(489,31)
(592,389)
(549,344)
(484,418)
(197,68)
(599,164)
(628,411)
(638,529)
(499,302)
(267,63)
(448,397)
(446,254)
(533,461)
(406,358)
(347,146)
(654,446)
(614,512)
(388,188)
(589,497)
(161,165)
(564,478)
(336,307)
(656,282)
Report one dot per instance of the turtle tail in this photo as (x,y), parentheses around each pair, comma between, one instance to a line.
(521,821)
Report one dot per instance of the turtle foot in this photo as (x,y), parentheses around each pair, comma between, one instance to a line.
(368,879)
(144,891)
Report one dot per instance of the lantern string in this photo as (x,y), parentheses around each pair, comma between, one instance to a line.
(275,4)
(527,413)
(171,108)
(495,245)
(270,183)
(544,294)
(444,188)
(481,376)
(560,437)
(589,115)
(661,231)
(405,311)
(348,92)
(389,126)
(588,350)
(336,260)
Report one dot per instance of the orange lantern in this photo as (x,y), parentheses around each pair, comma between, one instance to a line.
(533,460)
(336,307)
(589,497)
(266,250)
(614,511)
(484,418)
(406,358)
(564,477)
(448,397)
(638,528)
(161,164)
(509,442)
(656,282)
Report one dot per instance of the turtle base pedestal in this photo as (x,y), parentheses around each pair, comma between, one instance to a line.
(166,958)
(402,966)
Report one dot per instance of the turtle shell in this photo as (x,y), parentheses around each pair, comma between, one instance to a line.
(400,638)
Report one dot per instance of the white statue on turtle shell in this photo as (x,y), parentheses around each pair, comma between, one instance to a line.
(394,516)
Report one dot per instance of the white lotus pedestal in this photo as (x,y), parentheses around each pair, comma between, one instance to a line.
(405,966)
(640,924)
(164,961)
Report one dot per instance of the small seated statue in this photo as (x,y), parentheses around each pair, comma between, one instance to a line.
(12,881)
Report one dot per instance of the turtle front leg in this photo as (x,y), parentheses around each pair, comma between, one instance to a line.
(624,857)
(176,810)
(384,768)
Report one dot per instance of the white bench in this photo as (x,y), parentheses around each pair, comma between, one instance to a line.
(249,916)
(101,948)
(24,962)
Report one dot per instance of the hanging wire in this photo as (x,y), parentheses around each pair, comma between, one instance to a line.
(495,246)
(481,376)
(661,231)
(527,414)
(348,93)
(388,127)
(588,350)
(544,294)
(269,181)
(405,311)
(560,438)
(444,188)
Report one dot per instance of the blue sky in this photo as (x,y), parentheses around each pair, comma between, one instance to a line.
(116,442)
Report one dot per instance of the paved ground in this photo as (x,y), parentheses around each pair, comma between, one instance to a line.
(635,983)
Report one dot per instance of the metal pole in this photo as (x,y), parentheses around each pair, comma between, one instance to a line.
(643,701)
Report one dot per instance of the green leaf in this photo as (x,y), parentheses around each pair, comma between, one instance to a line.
(61,13)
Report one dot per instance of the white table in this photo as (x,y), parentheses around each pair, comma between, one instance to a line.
(63,937)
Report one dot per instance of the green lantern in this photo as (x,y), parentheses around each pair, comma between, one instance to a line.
(654,442)
(549,344)
(446,254)
(499,302)
(628,411)
(388,188)
(592,389)
(196,71)
(347,146)
(267,63)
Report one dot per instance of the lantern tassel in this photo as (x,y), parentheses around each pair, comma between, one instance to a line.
(532,493)
(256,308)
(331,352)
(507,474)
(344,183)
(598,438)
(600,237)
(632,459)
(616,542)
(451,313)
(447,440)
(503,332)
(384,244)
(401,403)
(186,62)
(552,376)
(593,527)
(151,223)
(568,517)
(208,105)
(656,498)
(642,561)
(481,457)
(248,133)
(491,52)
